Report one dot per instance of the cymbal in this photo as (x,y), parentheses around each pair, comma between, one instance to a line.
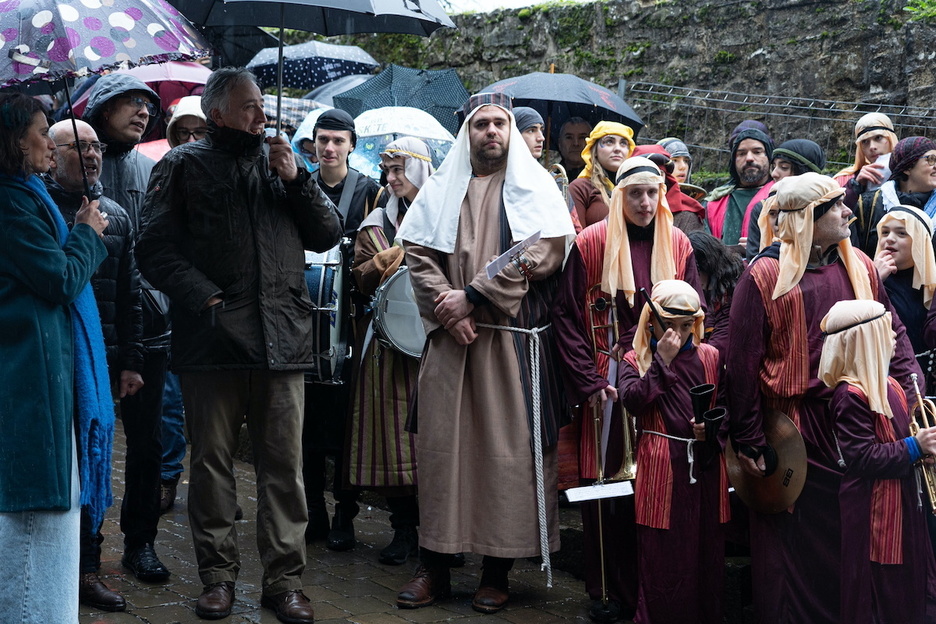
(693,191)
(777,491)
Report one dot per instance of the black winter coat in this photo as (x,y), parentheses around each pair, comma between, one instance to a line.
(217,225)
(116,282)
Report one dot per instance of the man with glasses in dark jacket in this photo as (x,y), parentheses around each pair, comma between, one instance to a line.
(227,219)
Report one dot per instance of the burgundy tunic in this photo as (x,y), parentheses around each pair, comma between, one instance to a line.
(796,565)
(874,592)
(680,525)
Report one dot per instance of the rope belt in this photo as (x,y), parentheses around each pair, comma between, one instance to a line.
(690,454)
(534,355)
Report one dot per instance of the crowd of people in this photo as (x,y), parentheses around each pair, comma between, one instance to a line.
(578,322)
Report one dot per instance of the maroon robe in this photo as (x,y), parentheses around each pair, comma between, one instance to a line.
(873,592)
(796,559)
(680,568)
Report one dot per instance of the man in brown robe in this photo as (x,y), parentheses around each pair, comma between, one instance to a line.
(488,412)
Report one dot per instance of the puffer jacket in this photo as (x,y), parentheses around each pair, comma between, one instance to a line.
(216,223)
(125,174)
(116,282)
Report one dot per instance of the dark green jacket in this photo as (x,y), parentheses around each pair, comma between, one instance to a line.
(38,281)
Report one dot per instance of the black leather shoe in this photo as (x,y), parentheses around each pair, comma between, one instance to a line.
(405,543)
(145,565)
(215,601)
(292,607)
(341,536)
(92,592)
(458,560)
(238,513)
(425,588)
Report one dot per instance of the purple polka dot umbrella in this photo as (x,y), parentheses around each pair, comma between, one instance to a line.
(49,39)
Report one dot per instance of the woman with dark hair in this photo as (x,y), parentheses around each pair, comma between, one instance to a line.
(792,158)
(55,392)
(719,270)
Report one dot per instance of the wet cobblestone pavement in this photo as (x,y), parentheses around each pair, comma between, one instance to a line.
(344,587)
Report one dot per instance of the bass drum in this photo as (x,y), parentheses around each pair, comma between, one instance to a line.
(396,316)
(325,277)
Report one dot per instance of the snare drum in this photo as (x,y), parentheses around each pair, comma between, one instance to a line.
(396,316)
(325,278)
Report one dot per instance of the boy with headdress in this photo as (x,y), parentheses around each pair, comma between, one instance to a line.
(874,140)
(681,495)
(773,362)
(489,409)
(382,455)
(635,247)
(888,572)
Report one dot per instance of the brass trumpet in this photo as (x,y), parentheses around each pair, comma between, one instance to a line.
(925,419)
(628,469)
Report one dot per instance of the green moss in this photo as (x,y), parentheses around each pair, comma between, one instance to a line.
(723,57)
(525,14)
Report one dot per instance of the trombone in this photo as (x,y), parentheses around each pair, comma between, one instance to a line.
(607,327)
(925,419)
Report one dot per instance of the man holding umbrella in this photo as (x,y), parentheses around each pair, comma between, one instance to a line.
(227,226)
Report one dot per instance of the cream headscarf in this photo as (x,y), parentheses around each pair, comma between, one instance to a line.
(872,124)
(858,348)
(532,200)
(797,198)
(767,234)
(673,299)
(919,228)
(417,165)
(618,270)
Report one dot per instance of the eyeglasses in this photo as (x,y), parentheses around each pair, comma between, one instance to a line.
(85,146)
(930,159)
(140,103)
(183,134)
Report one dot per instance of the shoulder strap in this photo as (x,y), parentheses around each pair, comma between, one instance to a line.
(347,191)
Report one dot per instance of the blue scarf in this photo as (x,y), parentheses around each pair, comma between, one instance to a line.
(95,405)
(930,207)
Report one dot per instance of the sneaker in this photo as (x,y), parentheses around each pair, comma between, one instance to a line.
(167,495)
(145,565)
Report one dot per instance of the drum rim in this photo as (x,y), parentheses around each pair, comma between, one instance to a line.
(380,328)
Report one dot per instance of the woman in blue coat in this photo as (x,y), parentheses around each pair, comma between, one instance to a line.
(55,406)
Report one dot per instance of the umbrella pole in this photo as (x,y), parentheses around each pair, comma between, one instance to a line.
(71,114)
(279,73)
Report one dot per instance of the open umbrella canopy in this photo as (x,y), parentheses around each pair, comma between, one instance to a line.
(325,17)
(48,40)
(557,97)
(292,111)
(378,127)
(310,64)
(440,93)
(327,92)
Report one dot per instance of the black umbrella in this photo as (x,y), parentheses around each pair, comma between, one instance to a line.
(557,97)
(310,64)
(326,17)
(236,45)
(440,93)
(326,92)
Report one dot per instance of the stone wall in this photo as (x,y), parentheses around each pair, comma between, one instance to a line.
(865,51)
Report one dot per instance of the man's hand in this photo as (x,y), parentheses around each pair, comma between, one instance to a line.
(463,331)
(130,382)
(211,303)
(884,263)
(668,346)
(753,468)
(602,396)
(870,174)
(452,306)
(698,431)
(282,160)
(90,214)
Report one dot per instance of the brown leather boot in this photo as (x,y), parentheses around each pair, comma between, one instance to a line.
(292,607)
(92,592)
(426,586)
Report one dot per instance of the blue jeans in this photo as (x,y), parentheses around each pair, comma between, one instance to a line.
(39,564)
(173,429)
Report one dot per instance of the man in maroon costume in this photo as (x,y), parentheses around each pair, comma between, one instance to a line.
(773,361)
